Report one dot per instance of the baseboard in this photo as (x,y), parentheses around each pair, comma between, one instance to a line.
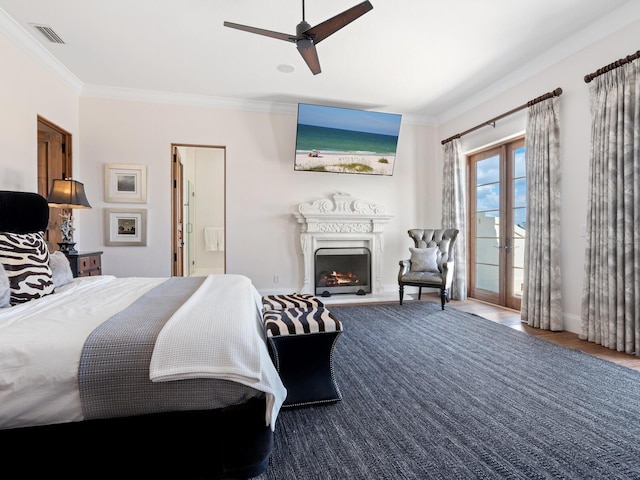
(572,323)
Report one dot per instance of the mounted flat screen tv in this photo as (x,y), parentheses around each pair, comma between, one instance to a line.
(344,140)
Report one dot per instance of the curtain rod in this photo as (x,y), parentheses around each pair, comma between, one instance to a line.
(611,66)
(556,93)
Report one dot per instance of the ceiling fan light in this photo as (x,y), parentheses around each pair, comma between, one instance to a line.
(285,68)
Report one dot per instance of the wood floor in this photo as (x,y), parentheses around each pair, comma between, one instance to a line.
(511,318)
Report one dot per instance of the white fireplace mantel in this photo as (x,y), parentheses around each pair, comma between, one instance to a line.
(343,222)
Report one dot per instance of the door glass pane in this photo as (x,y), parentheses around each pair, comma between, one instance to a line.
(488,197)
(488,170)
(487,251)
(519,218)
(519,165)
(518,266)
(487,217)
(519,212)
(487,277)
(518,253)
(518,282)
(520,192)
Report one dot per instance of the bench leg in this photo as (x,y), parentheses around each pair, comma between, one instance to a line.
(305,365)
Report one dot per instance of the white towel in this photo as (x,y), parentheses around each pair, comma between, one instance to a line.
(214,239)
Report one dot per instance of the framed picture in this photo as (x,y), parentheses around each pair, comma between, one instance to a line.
(125,183)
(126,227)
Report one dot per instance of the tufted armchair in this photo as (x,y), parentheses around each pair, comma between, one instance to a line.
(431,262)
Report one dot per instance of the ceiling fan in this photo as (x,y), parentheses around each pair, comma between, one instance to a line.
(307,37)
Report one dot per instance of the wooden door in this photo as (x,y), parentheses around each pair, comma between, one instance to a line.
(54,161)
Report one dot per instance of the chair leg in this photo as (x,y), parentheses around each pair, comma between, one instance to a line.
(401,290)
(419,292)
(444,297)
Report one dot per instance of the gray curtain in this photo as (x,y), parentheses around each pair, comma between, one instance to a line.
(611,291)
(541,298)
(454,213)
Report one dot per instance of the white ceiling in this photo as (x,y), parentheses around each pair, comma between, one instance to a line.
(420,57)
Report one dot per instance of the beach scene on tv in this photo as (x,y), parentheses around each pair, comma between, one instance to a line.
(341,140)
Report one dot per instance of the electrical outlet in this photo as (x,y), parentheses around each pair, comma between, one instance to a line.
(276,279)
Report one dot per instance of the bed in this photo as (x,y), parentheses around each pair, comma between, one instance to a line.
(105,377)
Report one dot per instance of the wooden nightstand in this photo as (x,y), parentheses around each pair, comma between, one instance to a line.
(85,264)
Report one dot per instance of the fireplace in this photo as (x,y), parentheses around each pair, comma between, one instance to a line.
(342,223)
(342,270)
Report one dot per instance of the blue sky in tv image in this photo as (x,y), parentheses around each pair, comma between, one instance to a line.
(349,119)
(332,130)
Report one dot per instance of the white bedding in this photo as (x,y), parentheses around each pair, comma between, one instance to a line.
(41,342)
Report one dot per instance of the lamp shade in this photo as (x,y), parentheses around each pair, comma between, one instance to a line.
(67,194)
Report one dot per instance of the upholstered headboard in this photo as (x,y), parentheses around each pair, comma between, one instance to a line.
(23,212)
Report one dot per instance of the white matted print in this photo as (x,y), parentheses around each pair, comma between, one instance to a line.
(125,183)
(125,227)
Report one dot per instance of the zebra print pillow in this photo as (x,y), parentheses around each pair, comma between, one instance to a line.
(5,294)
(25,258)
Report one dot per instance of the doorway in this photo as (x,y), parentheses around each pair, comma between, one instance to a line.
(497,230)
(54,162)
(198,210)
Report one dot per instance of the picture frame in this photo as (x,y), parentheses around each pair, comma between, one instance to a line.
(125,227)
(125,183)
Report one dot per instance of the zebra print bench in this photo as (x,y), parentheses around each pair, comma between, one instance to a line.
(301,341)
(293,300)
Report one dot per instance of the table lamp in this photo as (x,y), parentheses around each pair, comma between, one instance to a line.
(67,194)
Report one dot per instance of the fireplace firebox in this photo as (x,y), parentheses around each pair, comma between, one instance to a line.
(342,270)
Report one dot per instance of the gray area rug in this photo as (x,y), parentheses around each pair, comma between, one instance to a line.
(432,394)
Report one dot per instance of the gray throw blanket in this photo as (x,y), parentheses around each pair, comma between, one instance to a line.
(113,374)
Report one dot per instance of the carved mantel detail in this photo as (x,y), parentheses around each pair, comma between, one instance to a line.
(344,222)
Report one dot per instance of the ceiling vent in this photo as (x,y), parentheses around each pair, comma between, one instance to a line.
(48,32)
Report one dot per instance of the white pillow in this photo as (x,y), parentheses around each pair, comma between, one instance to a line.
(5,292)
(61,269)
(424,259)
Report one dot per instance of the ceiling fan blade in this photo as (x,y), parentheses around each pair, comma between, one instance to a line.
(328,27)
(260,31)
(309,53)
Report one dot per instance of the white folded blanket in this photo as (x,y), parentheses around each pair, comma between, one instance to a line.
(218,333)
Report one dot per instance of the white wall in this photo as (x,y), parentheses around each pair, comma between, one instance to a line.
(262,188)
(575,135)
(26,91)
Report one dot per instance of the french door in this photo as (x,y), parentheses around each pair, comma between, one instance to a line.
(497,206)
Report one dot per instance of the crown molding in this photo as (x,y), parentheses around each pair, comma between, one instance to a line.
(20,37)
(153,96)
